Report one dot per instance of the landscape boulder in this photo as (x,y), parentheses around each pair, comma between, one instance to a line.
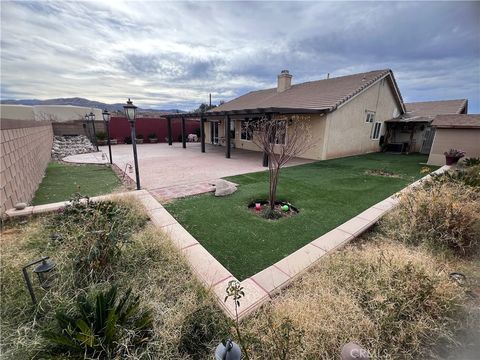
(224,188)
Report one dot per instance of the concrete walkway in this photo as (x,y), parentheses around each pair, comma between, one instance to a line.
(171,171)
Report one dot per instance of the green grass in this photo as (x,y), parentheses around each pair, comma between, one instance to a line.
(327,193)
(61,181)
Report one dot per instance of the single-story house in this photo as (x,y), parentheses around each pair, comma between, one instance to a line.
(347,113)
(461,132)
(412,131)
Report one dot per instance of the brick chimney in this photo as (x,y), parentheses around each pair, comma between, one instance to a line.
(284,81)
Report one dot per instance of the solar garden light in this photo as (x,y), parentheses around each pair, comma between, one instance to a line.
(45,272)
(106,121)
(229,351)
(131,114)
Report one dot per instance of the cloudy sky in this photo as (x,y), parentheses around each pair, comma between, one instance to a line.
(174,54)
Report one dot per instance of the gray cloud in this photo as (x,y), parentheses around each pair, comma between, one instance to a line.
(175,53)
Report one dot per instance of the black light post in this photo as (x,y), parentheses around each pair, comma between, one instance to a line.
(131,113)
(91,116)
(45,272)
(106,120)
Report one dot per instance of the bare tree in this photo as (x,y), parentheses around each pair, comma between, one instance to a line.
(281,139)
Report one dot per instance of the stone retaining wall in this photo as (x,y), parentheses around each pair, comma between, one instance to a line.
(25,153)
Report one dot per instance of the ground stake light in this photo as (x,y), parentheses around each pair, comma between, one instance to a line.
(229,351)
(45,272)
(131,114)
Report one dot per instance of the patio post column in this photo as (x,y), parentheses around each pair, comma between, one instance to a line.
(184,143)
(169,128)
(227,136)
(202,133)
(265,159)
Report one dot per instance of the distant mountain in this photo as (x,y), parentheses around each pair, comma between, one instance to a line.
(82,102)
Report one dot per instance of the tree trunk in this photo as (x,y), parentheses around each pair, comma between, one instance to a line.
(274,175)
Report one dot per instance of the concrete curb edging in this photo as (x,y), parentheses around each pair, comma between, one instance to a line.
(262,286)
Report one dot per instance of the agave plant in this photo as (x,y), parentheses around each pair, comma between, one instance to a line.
(102,323)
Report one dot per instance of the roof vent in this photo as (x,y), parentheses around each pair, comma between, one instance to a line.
(284,81)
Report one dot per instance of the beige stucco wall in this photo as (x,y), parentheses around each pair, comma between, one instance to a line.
(316,127)
(467,140)
(348,133)
(56,113)
(16,112)
(25,153)
(60,113)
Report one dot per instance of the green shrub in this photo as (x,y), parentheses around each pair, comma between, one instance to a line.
(101,135)
(469,176)
(103,326)
(474,161)
(271,214)
(441,215)
(95,233)
(152,136)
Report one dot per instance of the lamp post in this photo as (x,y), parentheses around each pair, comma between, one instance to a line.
(45,272)
(106,120)
(131,113)
(91,117)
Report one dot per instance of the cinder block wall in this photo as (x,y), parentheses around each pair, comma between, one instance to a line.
(25,152)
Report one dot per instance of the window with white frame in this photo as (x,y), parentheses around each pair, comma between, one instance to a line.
(279,136)
(246,130)
(370,117)
(376,130)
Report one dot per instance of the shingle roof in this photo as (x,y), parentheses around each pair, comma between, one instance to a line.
(319,95)
(432,108)
(457,121)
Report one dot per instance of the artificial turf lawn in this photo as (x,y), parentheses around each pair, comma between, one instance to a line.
(327,193)
(61,181)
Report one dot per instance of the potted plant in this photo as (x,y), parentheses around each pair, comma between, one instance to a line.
(139,139)
(152,138)
(101,138)
(113,141)
(453,155)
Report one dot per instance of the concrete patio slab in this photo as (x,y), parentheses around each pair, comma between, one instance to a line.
(164,166)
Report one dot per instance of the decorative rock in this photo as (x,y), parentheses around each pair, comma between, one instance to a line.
(70,145)
(352,351)
(20,206)
(285,208)
(224,188)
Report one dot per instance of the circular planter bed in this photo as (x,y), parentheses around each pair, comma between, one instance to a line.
(282,209)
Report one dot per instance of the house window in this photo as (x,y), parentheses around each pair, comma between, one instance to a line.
(376,129)
(280,135)
(370,117)
(246,130)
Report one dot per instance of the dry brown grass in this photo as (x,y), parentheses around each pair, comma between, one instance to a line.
(149,263)
(394,301)
(440,216)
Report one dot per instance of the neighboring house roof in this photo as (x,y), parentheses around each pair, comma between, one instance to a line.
(453,121)
(433,108)
(425,111)
(314,96)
